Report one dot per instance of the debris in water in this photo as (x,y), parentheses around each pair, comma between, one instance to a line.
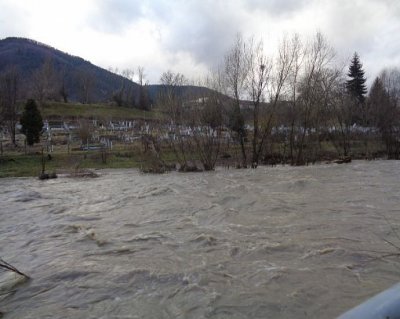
(7,266)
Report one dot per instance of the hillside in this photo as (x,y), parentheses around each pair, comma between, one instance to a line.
(29,57)
(73,111)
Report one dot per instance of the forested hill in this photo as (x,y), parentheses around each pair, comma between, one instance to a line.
(36,62)
(47,73)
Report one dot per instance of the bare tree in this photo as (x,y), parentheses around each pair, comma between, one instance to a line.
(144,103)
(341,112)
(62,85)
(206,122)
(298,58)
(326,91)
(170,98)
(86,80)
(125,94)
(117,95)
(141,75)
(284,75)
(44,80)
(319,55)
(9,92)
(171,102)
(236,68)
(259,67)
(384,100)
(85,131)
(129,95)
(249,73)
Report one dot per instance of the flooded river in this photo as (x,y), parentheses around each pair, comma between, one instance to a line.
(283,242)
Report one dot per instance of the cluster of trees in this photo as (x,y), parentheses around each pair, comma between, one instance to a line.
(30,119)
(256,108)
(129,95)
(51,83)
(58,83)
(284,108)
(383,110)
(8,101)
(46,73)
(193,121)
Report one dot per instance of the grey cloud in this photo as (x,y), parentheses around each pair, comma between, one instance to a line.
(368,27)
(277,7)
(9,13)
(357,26)
(114,15)
(203,29)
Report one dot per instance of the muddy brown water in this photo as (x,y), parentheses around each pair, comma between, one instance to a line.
(283,242)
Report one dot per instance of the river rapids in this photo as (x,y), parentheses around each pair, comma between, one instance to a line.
(282,242)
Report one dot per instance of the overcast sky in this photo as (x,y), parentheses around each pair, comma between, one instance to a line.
(192,36)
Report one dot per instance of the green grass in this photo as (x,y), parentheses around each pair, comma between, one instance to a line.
(30,165)
(20,165)
(16,164)
(52,110)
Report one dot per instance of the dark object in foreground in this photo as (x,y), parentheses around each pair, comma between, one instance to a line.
(385,305)
(154,168)
(343,160)
(7,266)
(189,168)
(80,173)
(44,176)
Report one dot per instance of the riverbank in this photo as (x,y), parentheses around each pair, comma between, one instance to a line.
(20,162)
(30,165)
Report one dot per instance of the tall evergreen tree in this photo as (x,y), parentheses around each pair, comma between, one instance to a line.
(356,84)
(32,123)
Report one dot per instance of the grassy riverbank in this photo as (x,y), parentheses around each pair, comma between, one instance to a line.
(20,165)
(17,162)
(31,164)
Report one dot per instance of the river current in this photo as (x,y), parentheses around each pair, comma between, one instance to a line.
(282,242)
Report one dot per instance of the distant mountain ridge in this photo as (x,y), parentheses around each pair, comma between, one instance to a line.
(28,56)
